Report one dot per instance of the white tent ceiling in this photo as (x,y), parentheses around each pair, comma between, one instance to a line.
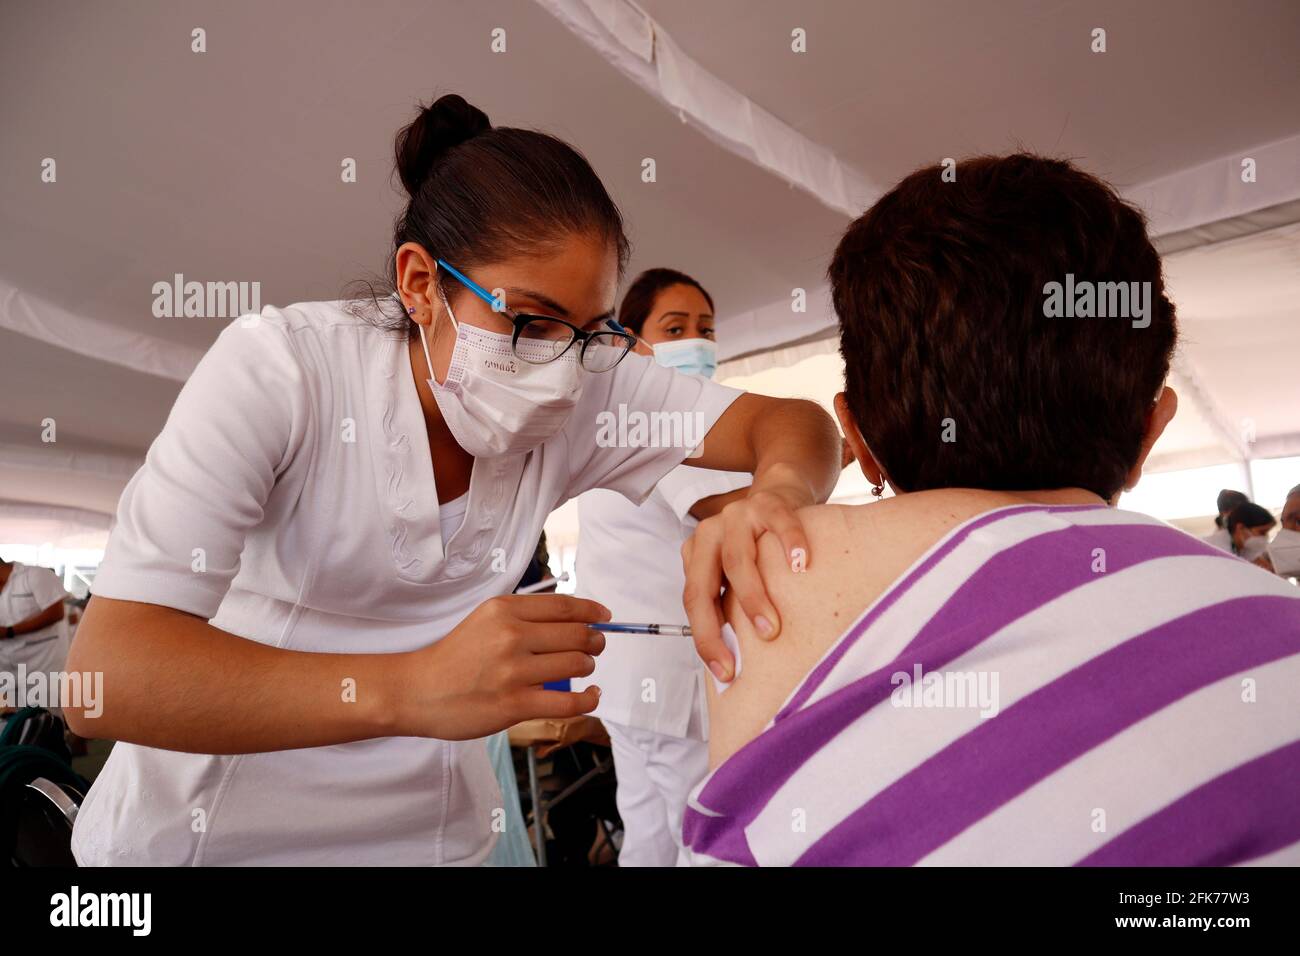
(224,166)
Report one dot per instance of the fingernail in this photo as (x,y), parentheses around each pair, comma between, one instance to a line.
(719,671)
(763,624)
(596,689)
(798,560)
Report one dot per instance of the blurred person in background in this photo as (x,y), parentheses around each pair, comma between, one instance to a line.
(629,559)
(1248,527)
(1284,549)
(1228,499)
(32,632)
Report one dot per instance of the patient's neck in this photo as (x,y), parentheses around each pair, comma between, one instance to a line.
(1046,496)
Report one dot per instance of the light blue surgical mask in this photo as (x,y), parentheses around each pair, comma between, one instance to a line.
(689,356)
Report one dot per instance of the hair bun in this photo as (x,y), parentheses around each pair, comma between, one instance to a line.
(447,123)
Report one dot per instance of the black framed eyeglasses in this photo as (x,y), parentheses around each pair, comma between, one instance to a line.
(541,339)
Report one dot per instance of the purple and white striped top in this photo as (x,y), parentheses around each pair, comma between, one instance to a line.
(1047,685)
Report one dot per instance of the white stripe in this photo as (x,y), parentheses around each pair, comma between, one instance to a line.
(887,742)
(898,626)
(1101,517)
(703,859)
(1136,773)
(694,804)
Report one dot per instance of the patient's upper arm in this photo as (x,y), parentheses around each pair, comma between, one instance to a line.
(855,553)
(814,606)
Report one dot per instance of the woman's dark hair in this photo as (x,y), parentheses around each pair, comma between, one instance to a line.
(481,193)
(1227,500)
(954,371)
(1249,514)
(641,295)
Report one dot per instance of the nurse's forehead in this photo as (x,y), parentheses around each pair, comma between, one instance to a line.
(577,313)
(577,281)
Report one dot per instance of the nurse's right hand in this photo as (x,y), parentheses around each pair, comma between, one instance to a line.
(487,673)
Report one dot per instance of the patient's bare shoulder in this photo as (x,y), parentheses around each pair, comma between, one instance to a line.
(855,553)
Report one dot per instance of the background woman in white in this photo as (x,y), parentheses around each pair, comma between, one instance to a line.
(32,632)
(652,701)
(301,617)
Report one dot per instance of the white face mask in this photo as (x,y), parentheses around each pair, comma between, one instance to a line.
(1254,547)
(496,404)
(1284,552)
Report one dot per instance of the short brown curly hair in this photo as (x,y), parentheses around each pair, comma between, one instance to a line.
(954,371)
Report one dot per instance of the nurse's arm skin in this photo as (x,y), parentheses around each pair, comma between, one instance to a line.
(793,450)
(713,504)
(171,680)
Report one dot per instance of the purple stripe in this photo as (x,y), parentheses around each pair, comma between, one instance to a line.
(1009,585)
(1021,579)
(716,837)
(955,538)
(1251,811)
(1027,742)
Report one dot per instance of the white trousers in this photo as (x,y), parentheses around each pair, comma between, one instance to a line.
(655,775)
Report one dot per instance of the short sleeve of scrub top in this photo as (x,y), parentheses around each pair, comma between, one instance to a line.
(638,422)
(29,591)
(45,587)
(685,486)
(182,518)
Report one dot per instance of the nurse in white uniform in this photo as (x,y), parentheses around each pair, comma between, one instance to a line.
(32,629)
(629,559)
(1228,499)
(303,641)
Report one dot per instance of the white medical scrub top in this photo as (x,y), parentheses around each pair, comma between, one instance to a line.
(290,500)
(1220,538)
(29,591)
(629,559)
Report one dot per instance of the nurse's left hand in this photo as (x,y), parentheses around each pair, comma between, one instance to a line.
(725,548)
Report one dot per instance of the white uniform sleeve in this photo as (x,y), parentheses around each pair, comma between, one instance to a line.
(685,485)
(182,519)
(45,586)
(636,423)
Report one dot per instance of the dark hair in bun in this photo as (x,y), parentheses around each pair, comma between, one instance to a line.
(481,193)
(440,127)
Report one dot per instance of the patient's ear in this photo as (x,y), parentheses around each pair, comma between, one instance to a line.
(866,461)
(1162,412)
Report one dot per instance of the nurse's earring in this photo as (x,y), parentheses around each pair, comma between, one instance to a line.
(878,490)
